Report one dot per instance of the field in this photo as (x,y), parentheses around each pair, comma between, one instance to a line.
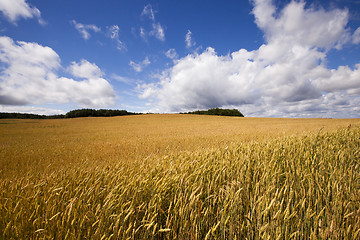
(180,177)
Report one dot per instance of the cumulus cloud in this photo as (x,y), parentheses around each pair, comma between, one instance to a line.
(156,30)
(188,40)
(28,76)
(84,29)
(138,67)
(286,76)
(300,26)
(13,10)
(85,69)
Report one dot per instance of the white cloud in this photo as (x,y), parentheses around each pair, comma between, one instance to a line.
(157,30)
(148,11)
(356,36)
(306,27)
(143,33)
(16,9)
(31,110)
(340,79)
(114,34)
(188,40)
(85,69)
(286,76)
(29,76)
(138,67)
(122,79)
(84,29)
(171,53)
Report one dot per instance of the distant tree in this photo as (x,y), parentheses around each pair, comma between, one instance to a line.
(97,113)
(219,112)
(4,115)
(86,112)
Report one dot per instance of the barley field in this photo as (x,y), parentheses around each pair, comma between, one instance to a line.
(172,176)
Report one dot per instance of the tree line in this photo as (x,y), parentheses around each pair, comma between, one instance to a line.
(71,114)
(218,112)
(111,113)
(97,113)
(5,115)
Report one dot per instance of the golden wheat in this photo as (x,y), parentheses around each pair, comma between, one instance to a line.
(180,177)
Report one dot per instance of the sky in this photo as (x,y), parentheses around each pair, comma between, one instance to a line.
(266,58)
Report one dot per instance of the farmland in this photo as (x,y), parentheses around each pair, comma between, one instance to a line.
(179,177)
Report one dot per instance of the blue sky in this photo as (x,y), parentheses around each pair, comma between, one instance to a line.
(267,58)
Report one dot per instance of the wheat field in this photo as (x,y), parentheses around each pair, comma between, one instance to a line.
(180,177)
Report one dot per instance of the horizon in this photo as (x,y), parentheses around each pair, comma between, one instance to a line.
(266,58)
(159,113)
